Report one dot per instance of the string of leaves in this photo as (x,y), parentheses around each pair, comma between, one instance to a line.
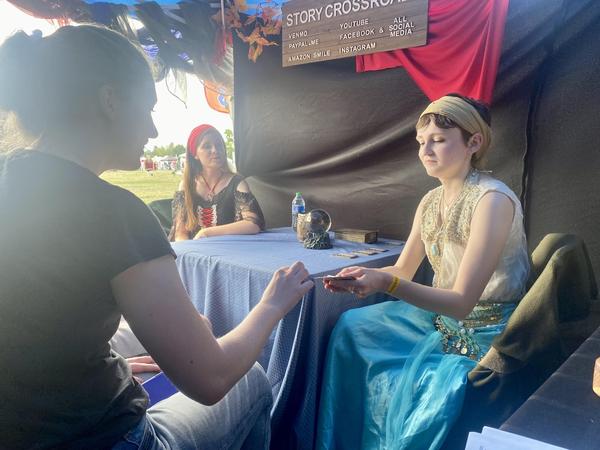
(256,29)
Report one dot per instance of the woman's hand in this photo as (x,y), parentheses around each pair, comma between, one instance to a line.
(368,281)
(287,286)
(201,234)
(140,364)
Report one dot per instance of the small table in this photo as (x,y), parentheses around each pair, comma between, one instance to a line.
(564,411)
(225,277)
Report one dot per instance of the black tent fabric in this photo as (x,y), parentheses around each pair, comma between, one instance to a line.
(563,162)
(346,140)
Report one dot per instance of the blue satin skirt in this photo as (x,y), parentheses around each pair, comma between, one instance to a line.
(388,384)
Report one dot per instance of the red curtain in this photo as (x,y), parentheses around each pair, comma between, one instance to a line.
(462,53)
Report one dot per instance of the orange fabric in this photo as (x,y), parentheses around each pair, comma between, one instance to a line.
(216,97)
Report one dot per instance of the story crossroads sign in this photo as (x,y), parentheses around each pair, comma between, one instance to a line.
(320,30)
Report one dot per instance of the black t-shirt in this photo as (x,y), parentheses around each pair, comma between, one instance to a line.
(64,234)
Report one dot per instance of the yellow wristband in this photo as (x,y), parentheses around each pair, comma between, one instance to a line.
(393,285)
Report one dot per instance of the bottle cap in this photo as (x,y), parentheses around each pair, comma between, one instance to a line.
(299,193)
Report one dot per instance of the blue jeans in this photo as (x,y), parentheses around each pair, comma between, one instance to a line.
(241,420)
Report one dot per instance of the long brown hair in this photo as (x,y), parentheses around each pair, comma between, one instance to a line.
(191,171)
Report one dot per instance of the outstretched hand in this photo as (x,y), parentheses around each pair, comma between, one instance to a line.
(367,282)
(287,286)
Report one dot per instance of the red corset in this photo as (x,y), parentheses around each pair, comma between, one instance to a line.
(207,217)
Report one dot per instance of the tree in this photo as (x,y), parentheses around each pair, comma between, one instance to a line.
(229,145)
(168,150)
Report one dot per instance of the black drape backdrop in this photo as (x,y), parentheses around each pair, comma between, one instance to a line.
(563,163)
(346,140)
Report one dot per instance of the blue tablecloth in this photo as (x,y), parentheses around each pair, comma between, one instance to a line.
(226,276)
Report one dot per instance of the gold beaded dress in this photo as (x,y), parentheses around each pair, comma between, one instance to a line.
(395,374)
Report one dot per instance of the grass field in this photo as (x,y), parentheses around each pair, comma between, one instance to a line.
(146,185)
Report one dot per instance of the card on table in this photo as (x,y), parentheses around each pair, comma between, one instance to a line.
(346,255)
(335,278)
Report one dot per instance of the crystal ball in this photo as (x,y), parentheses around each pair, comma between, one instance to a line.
(318,221)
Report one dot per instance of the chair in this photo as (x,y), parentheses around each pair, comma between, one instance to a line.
(532,346)
(162,211)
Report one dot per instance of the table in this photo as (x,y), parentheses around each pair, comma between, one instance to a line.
(564,411)
(225,277)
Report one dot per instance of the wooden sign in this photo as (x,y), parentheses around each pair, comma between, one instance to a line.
(319,30)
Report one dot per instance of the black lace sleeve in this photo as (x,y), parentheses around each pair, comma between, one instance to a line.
(247,208)
(178,212)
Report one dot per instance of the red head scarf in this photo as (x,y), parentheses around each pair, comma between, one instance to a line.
(192,142)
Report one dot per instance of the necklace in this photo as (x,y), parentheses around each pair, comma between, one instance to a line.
(211,190)
(443,214)
(445,210)
(447,206)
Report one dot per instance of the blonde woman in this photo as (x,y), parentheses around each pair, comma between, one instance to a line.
(396,372)
(77,253)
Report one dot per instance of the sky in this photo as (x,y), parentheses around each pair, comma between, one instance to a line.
(173,119)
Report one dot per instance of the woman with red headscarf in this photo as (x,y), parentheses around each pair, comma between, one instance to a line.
(211,199)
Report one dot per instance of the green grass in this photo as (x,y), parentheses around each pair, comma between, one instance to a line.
(148,186)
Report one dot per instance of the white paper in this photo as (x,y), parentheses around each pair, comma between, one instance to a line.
(521,441)
(494,439)
(477,441)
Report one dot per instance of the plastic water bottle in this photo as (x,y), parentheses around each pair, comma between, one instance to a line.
(298,207)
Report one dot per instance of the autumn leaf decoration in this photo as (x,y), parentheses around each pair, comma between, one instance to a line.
(255,29)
